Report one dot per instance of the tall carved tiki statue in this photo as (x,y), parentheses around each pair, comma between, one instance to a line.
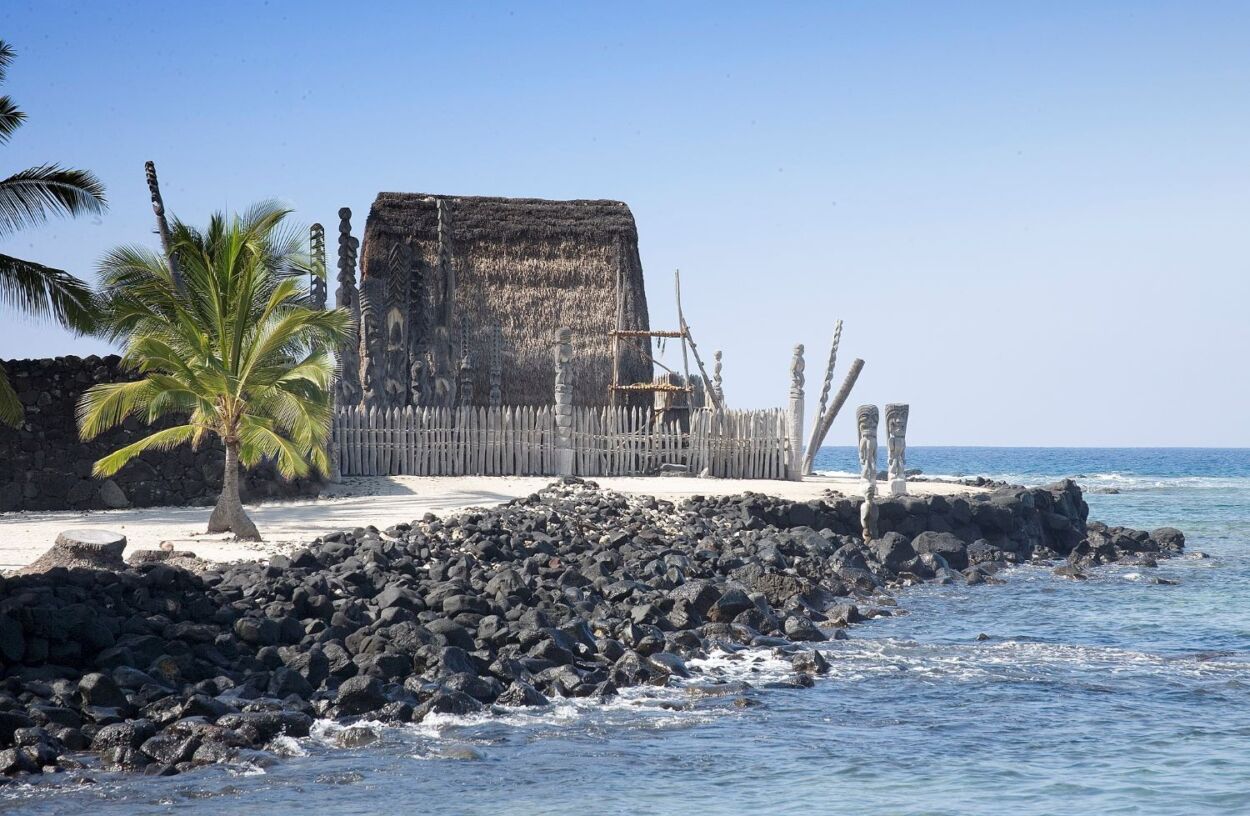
(495,396)
(348,386)
(797,380)
(442,357)
(396,368)
(718,387)
(896,446)
(866,419)
(465,378)
(564,401)
(416,380)
(158,205)
(368,360)
(317,253)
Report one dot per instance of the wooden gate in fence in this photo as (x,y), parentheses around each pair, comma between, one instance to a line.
(521,441)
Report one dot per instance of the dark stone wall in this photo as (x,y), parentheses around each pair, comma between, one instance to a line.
(44,465)
(1015,520)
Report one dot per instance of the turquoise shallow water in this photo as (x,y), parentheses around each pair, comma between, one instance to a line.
(1111,696)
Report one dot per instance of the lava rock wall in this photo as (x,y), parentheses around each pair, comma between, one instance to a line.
(45,466)
(1013,520)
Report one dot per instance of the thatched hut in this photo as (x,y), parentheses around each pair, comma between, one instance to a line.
(461,298)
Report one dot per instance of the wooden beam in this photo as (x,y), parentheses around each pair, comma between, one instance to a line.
(824,422)
(689,338)
(644,333)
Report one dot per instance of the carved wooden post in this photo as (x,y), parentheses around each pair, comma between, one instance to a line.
(369,334)
(397,304)
(317,253)
(317,300)
(464,388)
(814,444)
(443,359)
(833,361)
(896,446)
(718,389)
(416,379)
(564,401)
(348,386)
(464,367)
(823,423)
(795,470)
(866,419)
(495,397)
(162,225)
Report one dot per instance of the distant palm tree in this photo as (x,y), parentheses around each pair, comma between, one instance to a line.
(235,350)
(27,198)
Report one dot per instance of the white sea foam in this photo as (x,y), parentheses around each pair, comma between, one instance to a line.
(1013,660)
(1124,482)
(639,707)
(285,746)
(852,661)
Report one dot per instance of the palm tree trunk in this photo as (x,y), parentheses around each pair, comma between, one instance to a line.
(228,515)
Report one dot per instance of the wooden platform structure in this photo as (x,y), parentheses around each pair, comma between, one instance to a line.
(660,385)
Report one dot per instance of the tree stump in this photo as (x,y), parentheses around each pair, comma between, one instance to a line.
(85,547)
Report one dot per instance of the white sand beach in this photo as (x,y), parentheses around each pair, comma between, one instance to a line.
(357,502)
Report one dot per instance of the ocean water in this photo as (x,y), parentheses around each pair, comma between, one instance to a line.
(1111,696)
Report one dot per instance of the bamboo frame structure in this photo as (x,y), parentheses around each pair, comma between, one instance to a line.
(688,349)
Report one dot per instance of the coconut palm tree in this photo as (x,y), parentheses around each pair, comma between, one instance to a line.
(29,197)
(234,350)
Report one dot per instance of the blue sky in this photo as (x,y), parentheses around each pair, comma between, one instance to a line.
(1032,217)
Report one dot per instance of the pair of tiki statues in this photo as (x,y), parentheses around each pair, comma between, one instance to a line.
(866,421)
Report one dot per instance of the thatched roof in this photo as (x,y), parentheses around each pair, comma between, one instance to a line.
(525,265)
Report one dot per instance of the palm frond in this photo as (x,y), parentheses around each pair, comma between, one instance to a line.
(277,335)
(316,369)
(6,58)
(262,222)
(31,196)
(11,408)
(302,415)
(157,354)
(107,405)
(42,291)
(260,439)
(10,118)
(161,440)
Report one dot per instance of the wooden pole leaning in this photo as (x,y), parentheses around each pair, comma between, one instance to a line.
(824,423)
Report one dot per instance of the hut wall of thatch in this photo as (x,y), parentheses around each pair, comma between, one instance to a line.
(440,273)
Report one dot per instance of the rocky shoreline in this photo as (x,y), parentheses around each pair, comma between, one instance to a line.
(573,592)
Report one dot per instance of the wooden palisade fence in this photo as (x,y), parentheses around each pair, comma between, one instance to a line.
(522,441)
(740,444)
(497,441)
